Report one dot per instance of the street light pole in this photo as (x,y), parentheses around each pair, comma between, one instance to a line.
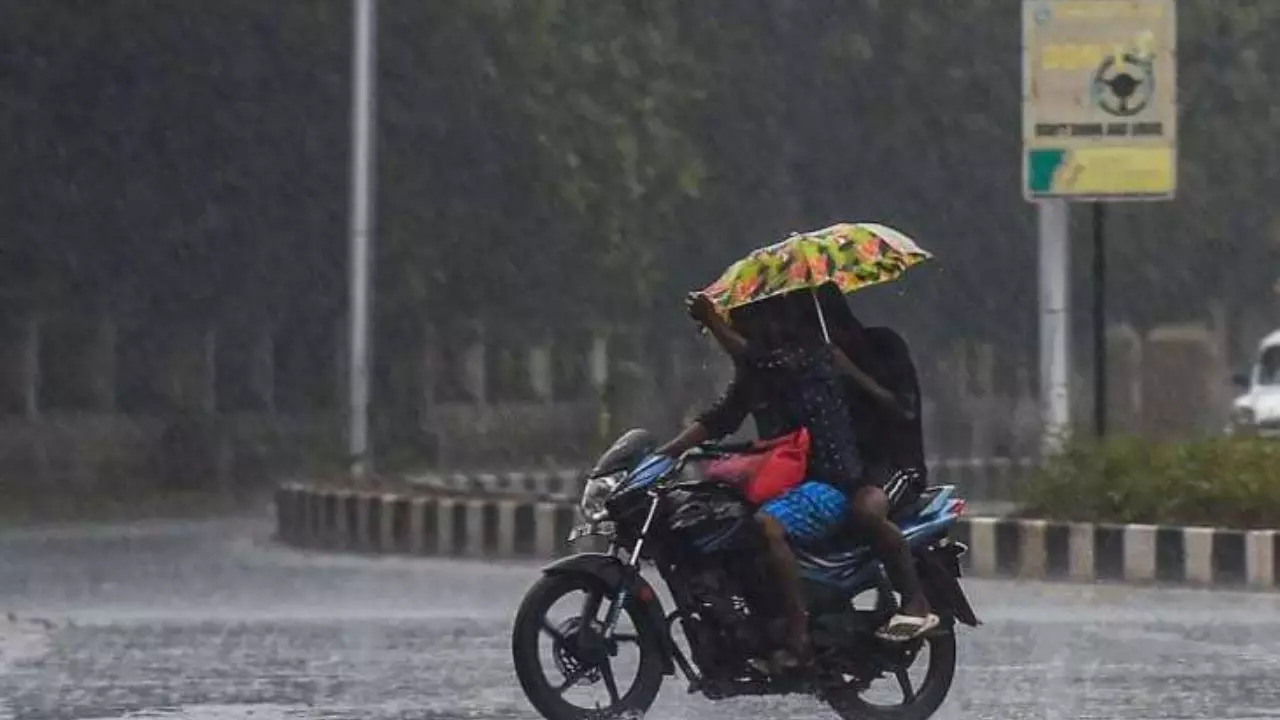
(362,110)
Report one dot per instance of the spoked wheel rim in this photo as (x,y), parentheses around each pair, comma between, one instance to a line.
(583,657)
(915,689)
(566,661)
(901,688)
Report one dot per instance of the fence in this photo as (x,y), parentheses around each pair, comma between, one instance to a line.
(90,403)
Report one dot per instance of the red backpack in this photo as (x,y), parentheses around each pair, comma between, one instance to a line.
(768,469)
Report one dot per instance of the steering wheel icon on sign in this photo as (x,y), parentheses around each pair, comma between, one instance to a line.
(1123,85)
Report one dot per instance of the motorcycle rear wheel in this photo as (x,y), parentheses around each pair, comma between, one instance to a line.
(849,704)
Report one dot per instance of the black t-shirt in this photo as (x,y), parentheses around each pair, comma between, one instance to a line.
(886,439)
(784,390)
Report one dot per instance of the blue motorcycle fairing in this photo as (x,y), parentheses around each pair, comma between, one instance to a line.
(941,500)
(934,517)
(648,471)
(851,570)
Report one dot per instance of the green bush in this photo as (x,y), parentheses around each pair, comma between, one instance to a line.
(1222,482)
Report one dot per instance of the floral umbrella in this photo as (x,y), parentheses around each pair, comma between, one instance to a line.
(850,255)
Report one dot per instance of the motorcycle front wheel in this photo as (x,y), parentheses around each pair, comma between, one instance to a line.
(578,655)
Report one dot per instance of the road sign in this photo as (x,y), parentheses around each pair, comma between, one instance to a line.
(1099,99)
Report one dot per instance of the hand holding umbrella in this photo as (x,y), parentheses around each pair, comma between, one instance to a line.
(702,310)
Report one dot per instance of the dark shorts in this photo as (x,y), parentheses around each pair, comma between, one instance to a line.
(810,511)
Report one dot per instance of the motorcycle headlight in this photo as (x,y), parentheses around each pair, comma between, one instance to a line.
(595,494)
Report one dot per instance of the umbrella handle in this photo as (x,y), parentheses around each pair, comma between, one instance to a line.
(822,319)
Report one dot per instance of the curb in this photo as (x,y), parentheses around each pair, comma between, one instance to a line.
(449,525)
(491,527)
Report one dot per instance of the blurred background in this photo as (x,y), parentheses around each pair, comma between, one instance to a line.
(552,177)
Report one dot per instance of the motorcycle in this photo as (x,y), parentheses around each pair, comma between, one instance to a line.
(700,535)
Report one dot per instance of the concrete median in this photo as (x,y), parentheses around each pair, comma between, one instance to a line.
(434,523)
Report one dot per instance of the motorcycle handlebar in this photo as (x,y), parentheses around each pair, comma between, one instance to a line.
(705,451)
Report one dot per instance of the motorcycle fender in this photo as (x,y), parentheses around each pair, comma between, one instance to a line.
(616,576)
(939,573)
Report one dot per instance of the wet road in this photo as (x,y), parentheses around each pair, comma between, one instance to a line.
(208,620)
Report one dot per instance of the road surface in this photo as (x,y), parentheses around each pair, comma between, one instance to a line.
(209,620)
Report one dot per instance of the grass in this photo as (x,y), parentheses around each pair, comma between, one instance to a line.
(1221,482)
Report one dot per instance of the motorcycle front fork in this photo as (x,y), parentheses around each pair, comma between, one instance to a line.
(619,599)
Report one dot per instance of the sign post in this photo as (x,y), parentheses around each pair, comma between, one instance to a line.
(1099,124)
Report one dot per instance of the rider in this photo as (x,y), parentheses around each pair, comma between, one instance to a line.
(881,387)
(885,402)
(785,380)
(902,441)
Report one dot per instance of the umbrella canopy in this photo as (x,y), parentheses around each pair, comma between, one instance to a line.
(850,255)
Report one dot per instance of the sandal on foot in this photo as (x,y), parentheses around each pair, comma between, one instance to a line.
(903,628)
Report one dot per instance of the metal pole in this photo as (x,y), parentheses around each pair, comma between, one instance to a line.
(1099,320)
(1055,326)
(362,109)
(822,318)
